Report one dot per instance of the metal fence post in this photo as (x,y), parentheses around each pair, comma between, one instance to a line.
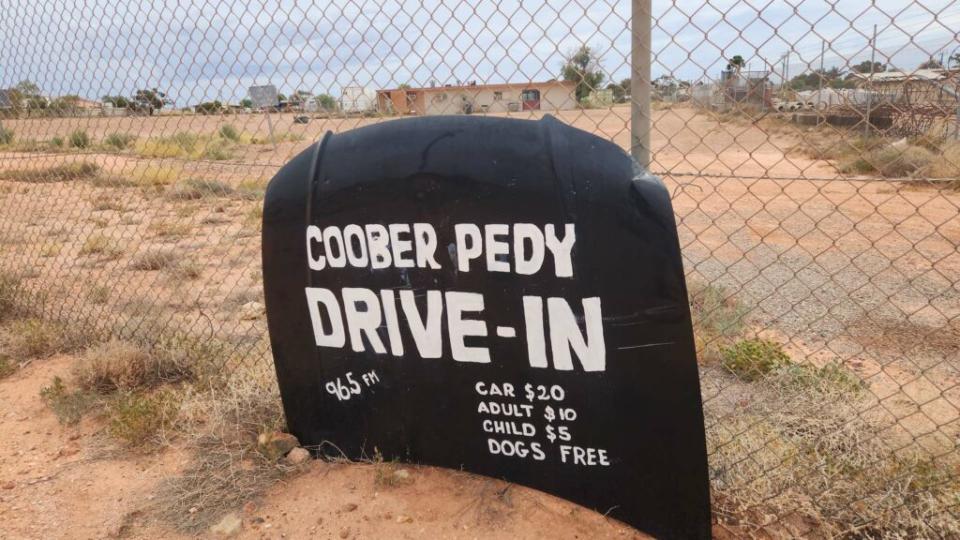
(640,82)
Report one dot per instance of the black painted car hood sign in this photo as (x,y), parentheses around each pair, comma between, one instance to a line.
(496,295)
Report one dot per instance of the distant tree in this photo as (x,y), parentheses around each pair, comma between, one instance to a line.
(736,63)
(26,94)
(812,80)
(209,107)
(36,102)
(864,67)
(301,96)
(326,102)
(119,102)
(65,104)
(27,89)
(148,100)
(619,94)
(246,103)
(931,64)
(583,67)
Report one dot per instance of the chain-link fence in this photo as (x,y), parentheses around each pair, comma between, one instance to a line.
(812,149)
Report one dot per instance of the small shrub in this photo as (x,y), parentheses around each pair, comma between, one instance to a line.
(227,131)
(154,260)
(198,188)
(29,145)
(254,218)
(56,142)
(898,162)
(7,367)
(752,359)
(180,144)
(95,245)
(277,138)
(947,164)
(9,289)
(32,338)
(217,150)
(167,229)
(51,250)
(6,136)
(111,181)
(385,473)
(189,357)
(831,377)
(185,270)
(119,141)
(69,407)
(717,318)
(153,176)
(115,366)
(79,139)
(136,419)
(890,161)
(98,294)
(105,202)
(251,188)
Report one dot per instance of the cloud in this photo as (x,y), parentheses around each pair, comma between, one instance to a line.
(216,49)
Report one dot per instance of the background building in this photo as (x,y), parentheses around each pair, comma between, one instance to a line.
(474,98)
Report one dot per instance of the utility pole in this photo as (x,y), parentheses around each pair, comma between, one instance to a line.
(873,59)
(823,51)
(786,66)
(783,70)
(640,53)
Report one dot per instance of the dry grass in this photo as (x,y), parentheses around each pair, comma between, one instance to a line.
(199,188)
(387,474)
(169,229)
(120,366)
(185,269)
(155,259)
(9,290)
(253,219)
(252,188)
(33,338)
(7,366)
(51,249)
(7,136)
(717,319)
(795,454)
(889,161)
(227,470)
(98,244)
(186,145)
(104,202)
(79,170)
(948,164)
(119,141)
(154,176)
(98,294)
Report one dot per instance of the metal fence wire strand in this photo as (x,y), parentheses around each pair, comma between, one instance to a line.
(812,149)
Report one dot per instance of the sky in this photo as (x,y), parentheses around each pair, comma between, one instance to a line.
(215,50)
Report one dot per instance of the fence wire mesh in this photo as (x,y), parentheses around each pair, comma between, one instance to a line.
(812,149)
